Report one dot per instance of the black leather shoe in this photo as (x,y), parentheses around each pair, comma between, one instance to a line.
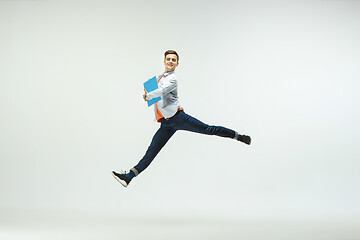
(245,139)
(121,178)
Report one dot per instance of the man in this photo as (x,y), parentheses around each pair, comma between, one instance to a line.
(172,118)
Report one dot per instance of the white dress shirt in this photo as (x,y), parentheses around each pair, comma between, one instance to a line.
(169,103)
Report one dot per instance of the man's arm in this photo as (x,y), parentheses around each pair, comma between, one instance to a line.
(168,86)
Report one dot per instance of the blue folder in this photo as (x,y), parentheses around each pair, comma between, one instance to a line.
(151,85)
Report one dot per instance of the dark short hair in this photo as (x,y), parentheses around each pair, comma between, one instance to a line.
(171,52)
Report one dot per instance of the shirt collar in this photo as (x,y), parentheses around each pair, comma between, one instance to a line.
(168,73)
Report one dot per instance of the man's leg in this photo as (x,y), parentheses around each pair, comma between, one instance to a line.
(186,122)
(159,140)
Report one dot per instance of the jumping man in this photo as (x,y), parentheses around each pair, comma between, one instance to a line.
(172,118)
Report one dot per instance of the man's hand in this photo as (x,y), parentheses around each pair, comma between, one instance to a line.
(144,96)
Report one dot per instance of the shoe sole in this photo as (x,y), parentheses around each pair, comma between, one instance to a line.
(122,182)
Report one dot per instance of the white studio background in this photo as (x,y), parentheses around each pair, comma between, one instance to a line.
(286,73)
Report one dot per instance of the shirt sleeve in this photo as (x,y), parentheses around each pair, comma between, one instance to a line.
(168,85)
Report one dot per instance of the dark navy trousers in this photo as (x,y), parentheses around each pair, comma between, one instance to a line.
(180,121)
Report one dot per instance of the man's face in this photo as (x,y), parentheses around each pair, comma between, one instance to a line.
(170,62)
